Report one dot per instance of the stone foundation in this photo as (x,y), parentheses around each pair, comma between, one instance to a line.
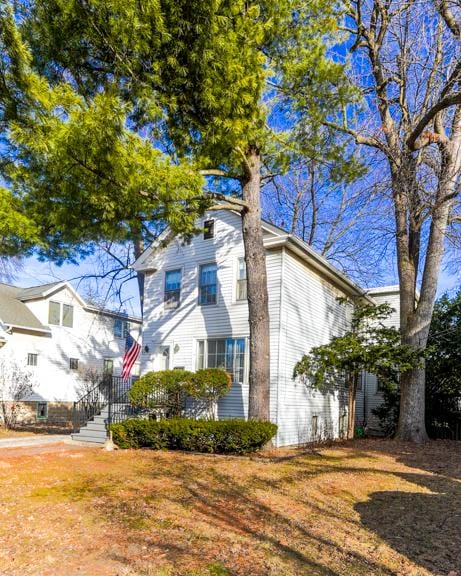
(51,413)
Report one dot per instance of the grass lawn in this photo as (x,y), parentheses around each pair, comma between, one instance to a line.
(362,508)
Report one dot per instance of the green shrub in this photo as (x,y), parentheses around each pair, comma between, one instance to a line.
(220,437)
(165,388)
(168,389)
(206,387)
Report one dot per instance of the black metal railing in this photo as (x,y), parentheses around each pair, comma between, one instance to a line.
(111,392)
(446,429)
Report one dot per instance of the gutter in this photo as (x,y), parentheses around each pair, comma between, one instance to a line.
(318,262)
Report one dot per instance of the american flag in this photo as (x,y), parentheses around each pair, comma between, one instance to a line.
(132,349)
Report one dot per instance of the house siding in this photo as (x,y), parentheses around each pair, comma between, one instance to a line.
(369,397)
(310,316)
(181,328)
(90,340)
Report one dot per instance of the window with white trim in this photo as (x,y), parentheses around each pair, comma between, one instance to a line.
(108,366)
(208,284)
(172,293)
(32,359)
(54,313)
(73,363)
(121,328)
(241,288)
(225,353)
(208,227)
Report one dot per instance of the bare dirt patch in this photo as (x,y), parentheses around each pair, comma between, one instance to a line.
(363,508)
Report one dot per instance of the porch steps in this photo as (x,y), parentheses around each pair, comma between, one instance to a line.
(94,430)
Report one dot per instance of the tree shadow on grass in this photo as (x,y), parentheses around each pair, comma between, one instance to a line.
(227,508)
(423,526)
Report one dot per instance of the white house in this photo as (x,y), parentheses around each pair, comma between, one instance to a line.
(196,315)
(369,394)
(54,334)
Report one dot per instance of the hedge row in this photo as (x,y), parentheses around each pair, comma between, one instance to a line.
(220,437)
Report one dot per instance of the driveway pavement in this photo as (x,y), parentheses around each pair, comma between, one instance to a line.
(35,440)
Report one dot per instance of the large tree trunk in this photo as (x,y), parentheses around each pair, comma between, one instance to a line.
(255,258)
(138,246)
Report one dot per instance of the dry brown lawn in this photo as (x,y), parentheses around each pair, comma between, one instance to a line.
(362,508)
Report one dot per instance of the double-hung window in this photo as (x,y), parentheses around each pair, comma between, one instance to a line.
(32,359)
(172,295)
(208,289)
(241,292)
(121,328)
(225,353)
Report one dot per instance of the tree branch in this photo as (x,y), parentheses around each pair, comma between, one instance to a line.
(452,100)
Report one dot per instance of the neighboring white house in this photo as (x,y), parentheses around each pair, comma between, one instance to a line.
(53,333)
(369,395)
(196,315)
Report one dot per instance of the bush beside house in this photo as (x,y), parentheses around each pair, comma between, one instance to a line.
(212,436)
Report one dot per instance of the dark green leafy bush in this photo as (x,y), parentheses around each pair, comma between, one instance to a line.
(165,388)
(168,390)
(220,437)
(206,387)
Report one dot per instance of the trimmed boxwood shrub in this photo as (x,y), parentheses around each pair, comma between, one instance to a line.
(165,388)
(220,437)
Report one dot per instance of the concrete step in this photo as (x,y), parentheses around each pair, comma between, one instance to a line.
(85,433)
(88,439)
(99,426)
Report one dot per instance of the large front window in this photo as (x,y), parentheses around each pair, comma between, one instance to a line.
(207,285)
(226,353)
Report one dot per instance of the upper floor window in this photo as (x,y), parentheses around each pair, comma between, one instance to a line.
(54,313)
(32,359)
(73,363)
(172,294)
(208,226)
(67,315)
(121,328)
(241,280)
(208,285)
(55,317)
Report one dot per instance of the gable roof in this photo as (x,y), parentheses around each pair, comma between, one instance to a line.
(14,313)
(277,237)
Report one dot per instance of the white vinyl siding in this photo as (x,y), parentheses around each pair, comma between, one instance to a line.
(310,316)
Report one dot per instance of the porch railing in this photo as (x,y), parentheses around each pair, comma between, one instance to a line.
(111,392)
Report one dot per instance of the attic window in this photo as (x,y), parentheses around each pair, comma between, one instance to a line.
(208,229)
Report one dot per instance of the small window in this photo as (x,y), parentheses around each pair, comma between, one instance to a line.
(67,315)
(32,359)
(42,410)
(108,366)
(360,382)
(73,363)
(121,328)
(172,294)
(207,285)
(379,385)
(208,229)
(241,280)
(54,313)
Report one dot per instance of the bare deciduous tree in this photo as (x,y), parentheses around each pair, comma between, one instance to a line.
(15,387)
(406,62)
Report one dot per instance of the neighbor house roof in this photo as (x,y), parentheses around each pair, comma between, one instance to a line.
(14,313)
